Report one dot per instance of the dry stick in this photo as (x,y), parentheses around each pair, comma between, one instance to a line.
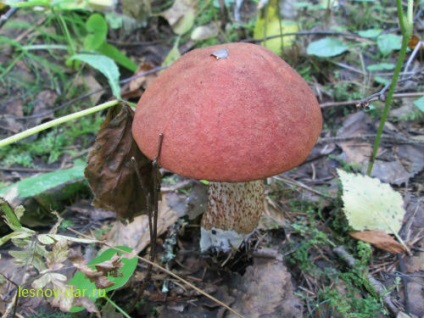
(149,269)
(152,216)
(381,95)
(356,102)
(405,283)
(166,271)
(156,191)
(15,300)
(370,137)
(7,15)
(417,48)
(378,286)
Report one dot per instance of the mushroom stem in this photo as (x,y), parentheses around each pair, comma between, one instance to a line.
(233,212)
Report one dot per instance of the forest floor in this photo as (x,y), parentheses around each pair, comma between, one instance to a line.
(303,259)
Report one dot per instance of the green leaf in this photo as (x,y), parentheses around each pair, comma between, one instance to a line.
(370,34)
(419,103)
(327,47)
(370,204)
(117,56)
(381,67)
(97,30)
(42,183)
(12,218)
(173,55)
(89,289)
(114,20)
(389,42)
(381,80)
(106,66)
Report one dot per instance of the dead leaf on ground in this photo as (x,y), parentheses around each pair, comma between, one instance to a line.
(140,11)
(204,32)
(355,151)
(181,15)
(110,171)
(416,262)
(11,108)
(403,161)
(98,276)
(136,234)
(44,101)
(380,240)
(266,290)
(91,85)
(136,87)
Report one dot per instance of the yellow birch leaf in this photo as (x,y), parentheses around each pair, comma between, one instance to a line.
(370,204)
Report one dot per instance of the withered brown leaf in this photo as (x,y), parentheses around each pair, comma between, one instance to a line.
(98,276)
(111,172)
(379,239)
(111,267)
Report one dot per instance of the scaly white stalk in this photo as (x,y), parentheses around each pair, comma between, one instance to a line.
(233,213)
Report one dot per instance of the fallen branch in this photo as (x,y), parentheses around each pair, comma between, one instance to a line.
(378,287)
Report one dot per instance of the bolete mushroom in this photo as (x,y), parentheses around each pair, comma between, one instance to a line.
(233,114)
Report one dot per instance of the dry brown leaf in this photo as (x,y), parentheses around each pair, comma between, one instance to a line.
(379,239)
(87,304)
(266,290)
(136,234)
(91,85)
(43,103)
(99,275)
(136,87)
(110,267)
(110,171)
(355,151)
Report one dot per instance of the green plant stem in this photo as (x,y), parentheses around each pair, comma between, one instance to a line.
(406,27)
(117,307)
(62,22)
(44,47)
(56,122)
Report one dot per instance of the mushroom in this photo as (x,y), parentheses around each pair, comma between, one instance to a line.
(232,114)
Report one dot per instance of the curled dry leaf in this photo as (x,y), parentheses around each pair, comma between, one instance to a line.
(136,87)
(380,240)
(110,171)
(98,276)
(136,235)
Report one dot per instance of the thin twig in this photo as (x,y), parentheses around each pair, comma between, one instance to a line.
(15,300)
(378,286)
(301,185)
(371,137)
(358,102)
(382,94)
(7,15)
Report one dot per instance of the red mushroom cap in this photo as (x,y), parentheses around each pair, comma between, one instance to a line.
(234,112)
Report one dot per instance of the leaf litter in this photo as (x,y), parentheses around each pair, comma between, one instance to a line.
(405,164)
(111,171)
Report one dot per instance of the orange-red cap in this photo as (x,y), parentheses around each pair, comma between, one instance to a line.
(233,112)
